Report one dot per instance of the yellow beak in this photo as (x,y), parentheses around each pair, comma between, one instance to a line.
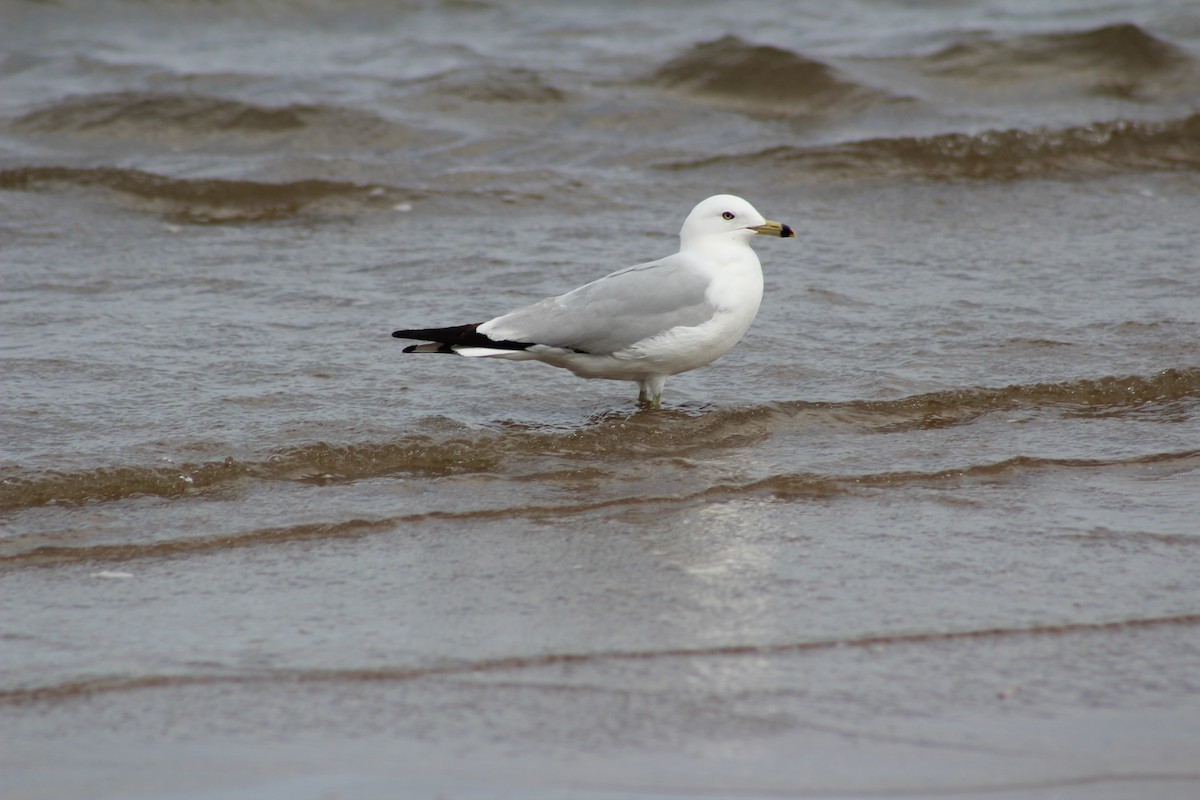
(773,228)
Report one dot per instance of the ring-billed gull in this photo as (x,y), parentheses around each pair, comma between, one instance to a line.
(643,323)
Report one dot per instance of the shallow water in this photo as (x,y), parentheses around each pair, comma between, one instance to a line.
(929,530)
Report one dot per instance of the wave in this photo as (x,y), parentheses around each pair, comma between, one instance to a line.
(623,436)
(494,85)
(136,110)
(786,487)
(764,79)
(188,120)
(1110,396)
(208,200)
(316,462)
(1099,148)
(1120,60)
(92,686)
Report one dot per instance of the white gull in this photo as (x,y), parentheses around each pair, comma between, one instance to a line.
(643,323)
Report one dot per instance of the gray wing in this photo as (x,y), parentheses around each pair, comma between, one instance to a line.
(615,311)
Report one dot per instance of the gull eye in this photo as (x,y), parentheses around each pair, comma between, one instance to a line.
(728,215)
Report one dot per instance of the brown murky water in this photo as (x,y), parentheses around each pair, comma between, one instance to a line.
(929,530)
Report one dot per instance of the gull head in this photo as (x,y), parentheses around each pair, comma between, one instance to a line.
(728,217)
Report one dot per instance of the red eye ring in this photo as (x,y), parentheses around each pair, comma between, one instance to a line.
(728,215)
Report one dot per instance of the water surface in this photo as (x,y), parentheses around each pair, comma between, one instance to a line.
(929,530)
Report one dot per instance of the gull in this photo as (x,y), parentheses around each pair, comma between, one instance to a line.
(643,323)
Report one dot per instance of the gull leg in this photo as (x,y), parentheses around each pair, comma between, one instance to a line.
(650,391)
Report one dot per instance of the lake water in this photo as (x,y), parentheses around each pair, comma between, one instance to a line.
(930,530)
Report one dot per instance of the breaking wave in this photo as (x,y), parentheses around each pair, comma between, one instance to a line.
(319,461)
(1099,148)
(210,200)
(620,437)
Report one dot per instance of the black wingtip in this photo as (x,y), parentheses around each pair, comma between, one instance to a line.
(458,335)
